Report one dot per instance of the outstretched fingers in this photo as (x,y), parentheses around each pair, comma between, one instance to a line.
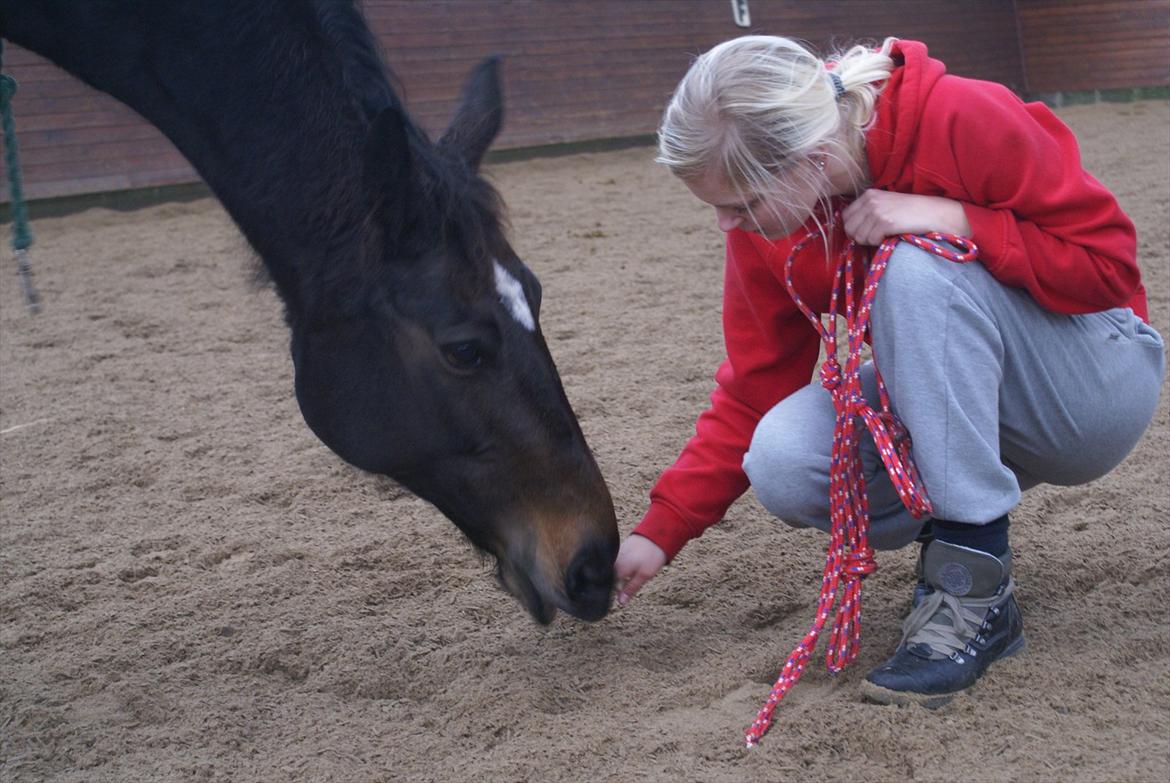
(638,561)
(628,588)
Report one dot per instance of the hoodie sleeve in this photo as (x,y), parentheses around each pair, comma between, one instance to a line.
(771,352)
(1041,222)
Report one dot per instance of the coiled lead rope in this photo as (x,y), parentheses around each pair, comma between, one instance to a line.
(850,557)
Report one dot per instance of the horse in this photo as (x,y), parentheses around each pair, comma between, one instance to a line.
(414,326)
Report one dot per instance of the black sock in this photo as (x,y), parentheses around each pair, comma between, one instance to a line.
(991,538)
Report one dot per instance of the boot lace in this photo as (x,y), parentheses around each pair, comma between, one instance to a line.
(947,623)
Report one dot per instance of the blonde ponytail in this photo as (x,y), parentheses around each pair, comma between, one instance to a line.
(863,71)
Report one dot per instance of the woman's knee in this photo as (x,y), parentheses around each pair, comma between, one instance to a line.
(914,277)
(785,473)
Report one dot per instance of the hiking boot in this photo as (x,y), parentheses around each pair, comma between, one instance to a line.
(921,588)
(967,620)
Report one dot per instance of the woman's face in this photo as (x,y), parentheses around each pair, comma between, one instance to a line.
(768,216)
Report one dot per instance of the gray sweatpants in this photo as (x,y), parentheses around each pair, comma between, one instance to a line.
(998,395)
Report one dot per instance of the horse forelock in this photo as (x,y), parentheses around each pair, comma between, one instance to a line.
(465,213)
(464,208)
(458,230)
(458,212)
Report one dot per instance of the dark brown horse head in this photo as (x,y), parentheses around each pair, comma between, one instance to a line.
(430,367)
(415,328)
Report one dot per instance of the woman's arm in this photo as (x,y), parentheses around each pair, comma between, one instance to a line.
(878,214)
(771,352)
(1040,220)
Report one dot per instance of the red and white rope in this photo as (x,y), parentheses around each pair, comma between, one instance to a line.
(850,558)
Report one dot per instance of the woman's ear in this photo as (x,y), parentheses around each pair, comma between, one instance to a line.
(822,157)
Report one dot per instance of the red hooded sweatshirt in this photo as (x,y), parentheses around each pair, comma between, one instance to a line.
(1040,222)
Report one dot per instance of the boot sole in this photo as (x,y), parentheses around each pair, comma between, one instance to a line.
(930,701)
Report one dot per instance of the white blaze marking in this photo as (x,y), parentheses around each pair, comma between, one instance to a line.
(512,295)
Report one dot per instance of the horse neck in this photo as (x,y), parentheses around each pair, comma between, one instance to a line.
(253,95)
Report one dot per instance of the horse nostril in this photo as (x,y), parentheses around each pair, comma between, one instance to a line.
(589,579)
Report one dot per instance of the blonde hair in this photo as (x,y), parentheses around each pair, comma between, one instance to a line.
(757,109)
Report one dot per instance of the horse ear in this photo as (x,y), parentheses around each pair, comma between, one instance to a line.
(479,117)
(390,173)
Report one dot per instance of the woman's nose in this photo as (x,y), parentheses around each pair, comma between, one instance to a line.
(728,219)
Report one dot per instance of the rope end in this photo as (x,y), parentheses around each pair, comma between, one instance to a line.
(32,299)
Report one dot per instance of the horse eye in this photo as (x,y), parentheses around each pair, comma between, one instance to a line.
(466,355)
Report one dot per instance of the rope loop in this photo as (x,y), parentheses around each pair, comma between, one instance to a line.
(855,404)
(850,558)
(831,373)
(895,429)
(858,565)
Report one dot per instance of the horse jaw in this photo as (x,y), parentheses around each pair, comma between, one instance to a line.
(517,583)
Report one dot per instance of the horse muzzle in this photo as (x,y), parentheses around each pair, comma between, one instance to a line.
(583,587)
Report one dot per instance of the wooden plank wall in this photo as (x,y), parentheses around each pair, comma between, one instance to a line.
(605,68)
(573,71)
(1085,45)
(73,139)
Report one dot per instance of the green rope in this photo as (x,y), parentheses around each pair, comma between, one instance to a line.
(22,237)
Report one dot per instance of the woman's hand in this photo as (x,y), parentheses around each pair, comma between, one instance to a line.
(877,214)
(638,561)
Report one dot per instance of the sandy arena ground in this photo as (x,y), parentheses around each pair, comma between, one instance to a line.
(193,588)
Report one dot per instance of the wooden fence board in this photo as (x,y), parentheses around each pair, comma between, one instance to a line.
(576,71)
(1094,45)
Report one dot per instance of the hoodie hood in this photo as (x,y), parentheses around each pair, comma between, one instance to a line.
(890,142)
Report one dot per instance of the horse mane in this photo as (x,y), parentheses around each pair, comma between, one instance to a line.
(456,205)
(364,74)
(465,205)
